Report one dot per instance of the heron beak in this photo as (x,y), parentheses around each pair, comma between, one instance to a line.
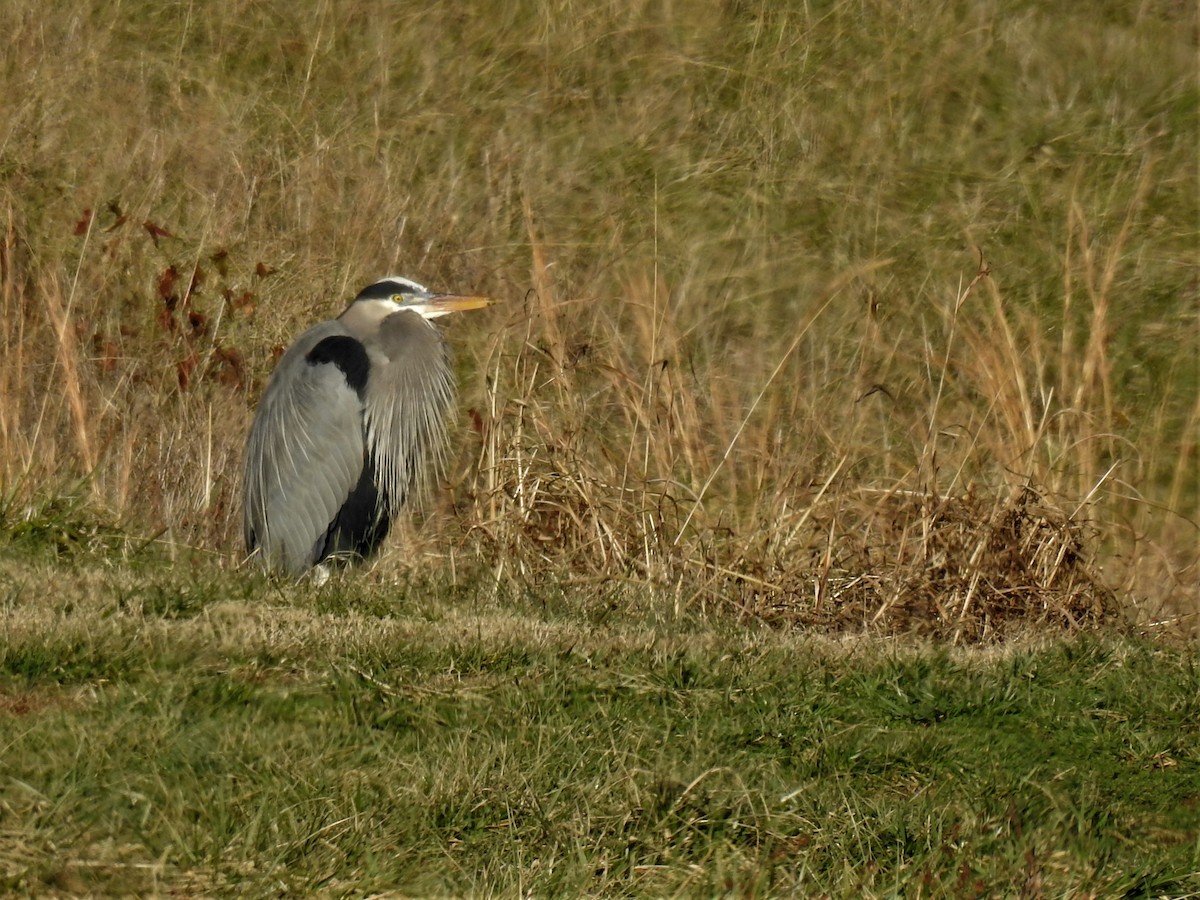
(457,302)
(434,305)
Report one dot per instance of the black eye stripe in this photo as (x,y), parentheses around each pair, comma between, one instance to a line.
(387,290)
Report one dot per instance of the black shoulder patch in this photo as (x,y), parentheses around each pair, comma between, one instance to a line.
(348,355)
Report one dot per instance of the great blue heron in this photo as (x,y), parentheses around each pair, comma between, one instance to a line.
(352,420)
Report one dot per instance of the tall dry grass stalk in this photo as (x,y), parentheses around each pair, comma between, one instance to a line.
(41,379)
(12,326)
(67,359)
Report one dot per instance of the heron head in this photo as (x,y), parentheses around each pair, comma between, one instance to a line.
(394,294)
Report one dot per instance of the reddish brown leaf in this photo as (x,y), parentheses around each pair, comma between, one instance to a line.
(184,369)
(119,216)
(241,302)
(106,351)
(166,283)
(229,367)
(262,270)
(155,231)
(85,221)
(233,357)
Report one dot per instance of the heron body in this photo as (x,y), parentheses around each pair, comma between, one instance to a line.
(352,422)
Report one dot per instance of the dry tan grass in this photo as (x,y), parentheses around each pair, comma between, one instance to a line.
(980,535)
(723,369)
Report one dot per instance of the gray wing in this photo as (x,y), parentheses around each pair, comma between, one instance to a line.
(304,455)
(408,399)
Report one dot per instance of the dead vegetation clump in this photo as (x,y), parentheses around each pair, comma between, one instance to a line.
(975,567)
(967,568)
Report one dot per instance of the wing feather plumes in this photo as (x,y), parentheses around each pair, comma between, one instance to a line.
(304,456)
(407,403)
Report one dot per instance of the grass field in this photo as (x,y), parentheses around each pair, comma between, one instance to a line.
(223,738)
(823,511)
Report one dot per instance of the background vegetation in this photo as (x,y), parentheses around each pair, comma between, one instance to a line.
(834,319)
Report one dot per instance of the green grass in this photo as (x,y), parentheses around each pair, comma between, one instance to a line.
(239,744)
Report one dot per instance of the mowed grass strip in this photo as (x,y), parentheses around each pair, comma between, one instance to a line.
(486,746)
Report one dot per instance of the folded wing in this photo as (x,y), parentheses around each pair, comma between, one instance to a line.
(305,454)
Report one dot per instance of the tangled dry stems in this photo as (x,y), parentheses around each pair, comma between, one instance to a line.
(558,494)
